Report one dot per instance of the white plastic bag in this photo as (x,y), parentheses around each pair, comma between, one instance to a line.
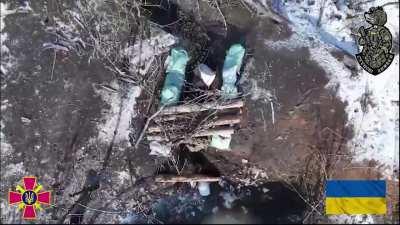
(206,74)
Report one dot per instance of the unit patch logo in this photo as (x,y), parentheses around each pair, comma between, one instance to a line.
(376,40)
(29,197)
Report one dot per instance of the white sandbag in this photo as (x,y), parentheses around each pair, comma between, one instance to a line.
(204,188)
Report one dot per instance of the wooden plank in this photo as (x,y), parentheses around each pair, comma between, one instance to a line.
(186,178)
(215,131)
(220,121)
(190,108)
(209,132)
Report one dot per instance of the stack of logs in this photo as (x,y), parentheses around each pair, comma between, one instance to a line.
(191,121)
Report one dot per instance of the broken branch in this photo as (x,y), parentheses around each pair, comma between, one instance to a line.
(146,125)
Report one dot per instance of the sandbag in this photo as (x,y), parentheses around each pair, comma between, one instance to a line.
(232,64)
(175,76)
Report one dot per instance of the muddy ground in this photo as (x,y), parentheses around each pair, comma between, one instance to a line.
(272,162)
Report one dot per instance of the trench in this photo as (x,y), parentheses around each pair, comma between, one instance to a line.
(78,209)
(253,205)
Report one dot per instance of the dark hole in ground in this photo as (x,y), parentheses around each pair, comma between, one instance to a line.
(205,43)
(272,203)
(190,163)
(201,163)
(278,205)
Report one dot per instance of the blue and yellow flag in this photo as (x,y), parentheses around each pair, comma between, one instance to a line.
(353,197)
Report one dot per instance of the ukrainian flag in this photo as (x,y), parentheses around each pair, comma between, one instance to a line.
(353,197)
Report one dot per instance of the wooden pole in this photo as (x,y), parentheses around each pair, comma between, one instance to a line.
(209,132)
(190,108)
(185,179)
(215,131)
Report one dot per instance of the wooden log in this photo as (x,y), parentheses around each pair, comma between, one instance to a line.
(156,138)
(220,121)
(166,118)
(172,117)
(190,108)
(209,132)
(186,178)
(215,131)
(157,129)
(226,120)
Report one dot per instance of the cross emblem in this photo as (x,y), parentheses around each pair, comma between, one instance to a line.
(29,197)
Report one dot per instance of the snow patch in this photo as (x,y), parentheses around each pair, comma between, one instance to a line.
(117,119)
(17,170)
(6,148)
(124,176)
(356,219)
(375,131)
(294,42)
(329,25)
(376,125)
(7,60)
(141,54)
(8,213)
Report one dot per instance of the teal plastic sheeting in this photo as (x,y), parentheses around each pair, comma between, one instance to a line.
(175,77)
(232,64)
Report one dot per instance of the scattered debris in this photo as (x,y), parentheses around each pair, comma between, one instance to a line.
(25,120)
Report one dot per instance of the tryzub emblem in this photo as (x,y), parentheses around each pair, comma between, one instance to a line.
(376,40)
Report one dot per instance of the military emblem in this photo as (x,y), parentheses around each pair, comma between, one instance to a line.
(376,40)
(29,198)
